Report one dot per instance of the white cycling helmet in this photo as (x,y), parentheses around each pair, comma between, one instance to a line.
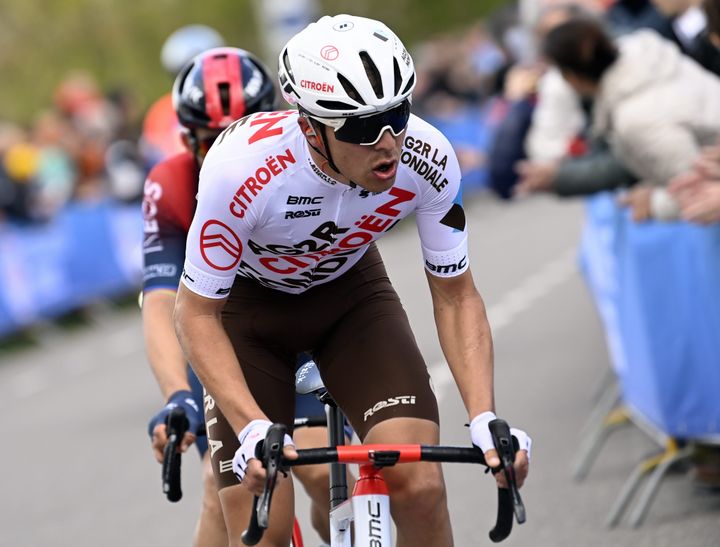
(185,43)
(345,66)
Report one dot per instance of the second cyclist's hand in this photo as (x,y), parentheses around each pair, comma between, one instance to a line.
(482,438)
(247,468)
(157,427)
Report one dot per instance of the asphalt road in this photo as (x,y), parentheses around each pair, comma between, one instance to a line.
(76,468)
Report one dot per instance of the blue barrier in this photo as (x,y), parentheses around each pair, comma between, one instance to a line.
(88,251)
(657,288)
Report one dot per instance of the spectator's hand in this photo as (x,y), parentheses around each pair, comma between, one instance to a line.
(638,199)
(703,204)
(698,197)
(521,81)
(534,177)
(707,165)
(685,183)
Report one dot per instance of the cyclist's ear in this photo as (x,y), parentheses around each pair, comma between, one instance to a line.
(307,128)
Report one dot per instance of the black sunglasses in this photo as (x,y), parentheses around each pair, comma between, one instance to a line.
(368,130)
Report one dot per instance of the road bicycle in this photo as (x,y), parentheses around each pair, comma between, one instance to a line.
(367,509)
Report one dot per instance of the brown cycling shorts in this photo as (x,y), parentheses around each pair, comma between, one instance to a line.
(359,335)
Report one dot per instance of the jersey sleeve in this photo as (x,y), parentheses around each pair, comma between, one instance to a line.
(441,219)
(217,235)
(164,231)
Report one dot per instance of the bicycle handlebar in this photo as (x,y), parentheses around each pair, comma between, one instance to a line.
(270,454)
(177,425)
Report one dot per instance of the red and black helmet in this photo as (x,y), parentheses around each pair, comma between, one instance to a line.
(220,86)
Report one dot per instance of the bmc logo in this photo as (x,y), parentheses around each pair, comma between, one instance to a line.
(304,200)
(446,268)
(392,401)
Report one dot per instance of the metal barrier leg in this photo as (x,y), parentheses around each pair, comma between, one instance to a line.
(608,383)
(629,489)
(593,441)
(669,458)
(606,402)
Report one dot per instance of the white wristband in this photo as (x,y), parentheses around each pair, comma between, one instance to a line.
(480,432)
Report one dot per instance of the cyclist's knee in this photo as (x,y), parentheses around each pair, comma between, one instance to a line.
(314,478)
(418,488)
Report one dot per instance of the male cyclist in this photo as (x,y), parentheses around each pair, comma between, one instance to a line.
(281,258)
(160,132)
(217,87)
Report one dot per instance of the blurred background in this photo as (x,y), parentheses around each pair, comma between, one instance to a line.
(592,189)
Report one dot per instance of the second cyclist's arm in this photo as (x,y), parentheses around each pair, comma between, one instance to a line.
(164,352)
(465,338)
(203,338)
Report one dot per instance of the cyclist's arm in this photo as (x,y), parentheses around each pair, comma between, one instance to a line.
(203,338)
(164,353)
(465,338)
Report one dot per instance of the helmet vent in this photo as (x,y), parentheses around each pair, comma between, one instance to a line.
(224,90)
(410,83)
(373,74)
(286,62)
(336,105)
(349,89)
(398,76)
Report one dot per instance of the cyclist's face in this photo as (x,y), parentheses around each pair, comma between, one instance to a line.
(204,139)
(373,167)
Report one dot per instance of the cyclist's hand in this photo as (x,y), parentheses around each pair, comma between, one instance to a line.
(247,468)
(481,437)
(157,425)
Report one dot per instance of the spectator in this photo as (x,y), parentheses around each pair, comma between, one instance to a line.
(698,191)
(689,27)
(655,106)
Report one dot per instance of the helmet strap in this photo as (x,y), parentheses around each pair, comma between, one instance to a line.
(321,129)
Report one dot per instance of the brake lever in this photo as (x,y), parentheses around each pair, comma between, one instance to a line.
(506,447)
(269,452)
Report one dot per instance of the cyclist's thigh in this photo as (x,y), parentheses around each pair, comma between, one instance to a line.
(270,379)
(371,363)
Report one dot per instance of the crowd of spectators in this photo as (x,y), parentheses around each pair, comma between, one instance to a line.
(621,94)
(82,147)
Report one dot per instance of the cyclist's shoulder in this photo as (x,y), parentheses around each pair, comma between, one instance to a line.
(181,165)
(255,135)
(429,157)
(170,190)
(260,145)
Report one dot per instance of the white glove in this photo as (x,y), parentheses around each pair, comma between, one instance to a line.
(249,437)
(482,438)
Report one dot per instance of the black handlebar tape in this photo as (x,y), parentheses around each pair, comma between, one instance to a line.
(177,425)
(254,533)
(504,520)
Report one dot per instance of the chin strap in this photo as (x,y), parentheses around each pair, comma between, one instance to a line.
(321,129)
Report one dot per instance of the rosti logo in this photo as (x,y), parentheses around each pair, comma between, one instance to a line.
(329,53)
(219,245)
(324,87)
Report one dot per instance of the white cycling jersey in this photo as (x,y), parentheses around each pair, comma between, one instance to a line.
(266,211)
